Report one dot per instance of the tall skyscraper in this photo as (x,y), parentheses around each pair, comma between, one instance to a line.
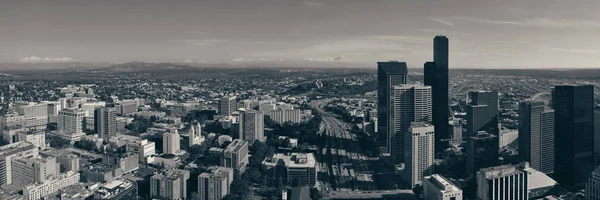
(170,185)
(436,76)
(235,156)
(482,113)
(592,187)
(597,130)
(171,142)
(408,103)
(227,105)
(420,151)
(503,183)
(389,74)
(574,134)
(536,135)
(105,122)
(251,126)
(482,151)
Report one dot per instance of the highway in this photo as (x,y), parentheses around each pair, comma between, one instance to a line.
(344,160)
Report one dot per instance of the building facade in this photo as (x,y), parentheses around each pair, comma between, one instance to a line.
(235,156)
(502,183)
(251,126)
(71,121)
(389,74)
(216,184)
(436,187)
(227,105)
(105,122)
(536,136)
(482,113)
(420,151)
(482,151)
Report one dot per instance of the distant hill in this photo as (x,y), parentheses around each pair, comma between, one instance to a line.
(49,66)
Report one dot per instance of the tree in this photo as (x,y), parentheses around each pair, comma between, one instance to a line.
(315,194)
(417,190)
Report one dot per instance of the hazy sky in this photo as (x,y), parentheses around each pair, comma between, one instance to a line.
(483,33)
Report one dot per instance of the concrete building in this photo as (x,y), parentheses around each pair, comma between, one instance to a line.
(9,151)
(11,121)
(482,151)
(408,103)
(90,107)
(53,184)
(502,182)
(251,126)
(216,184)
(29,168)
(117,189)
(171,184)
(126,162)
(227,105)
(597,129)
(592,187)
(37,138)
(71,121)
(105,122)
(126,107)
(171,142)
(389,74)
(266,108)
(143,148)
(297,167)
(536,136)
(71,137)
(420,151)
(36,114)
(100,172)
(235,156)
(436,187)
(509,138)
(282,116)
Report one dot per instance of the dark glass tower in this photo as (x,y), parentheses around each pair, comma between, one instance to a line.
(574,135)
(389,74)
(536,135)
(482,151)
(436,76)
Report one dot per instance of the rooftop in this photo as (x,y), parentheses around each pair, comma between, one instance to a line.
(296,160)
(500,171)
(442,183)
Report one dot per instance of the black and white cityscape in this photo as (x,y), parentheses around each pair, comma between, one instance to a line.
(299,100)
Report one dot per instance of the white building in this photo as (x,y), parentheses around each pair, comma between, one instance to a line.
(592,187)
(29,168)
(251,126)
(89,107)
(9,151)
(282,116)
(436,187)
(195,135)
(170,185)
(298,166)
(38,138)
(12,121)
(171,142)
(420,152)
(36,114)
(408,103)
(126,107)
(143,148)
(215,185)
(508,137)
(52,185)
(71,121)
(71,137)
(502,182)
(266,108)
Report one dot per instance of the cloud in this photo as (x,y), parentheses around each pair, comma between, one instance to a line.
(35,59)
(328,59)
(255,60)
(535,22)
(194,61)
(577,51)
(313,3)
(442,21)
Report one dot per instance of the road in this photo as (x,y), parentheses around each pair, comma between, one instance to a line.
(347,166)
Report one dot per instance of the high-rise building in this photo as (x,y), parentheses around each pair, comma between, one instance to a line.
(105,122)
(420,152)
(482,113)
(389,74)
(408,103)
(282,116)
(597,130)
(171,143)
(215,185)
(502,183)
(436,76)
(574,135)
(143,148)
(235,156)
(227,105)
(536,136)
(126,107)
(251,126)
(29,168)
(36,114)
(436,187)
(170,185)
(482,151)
(7,152)
(91,106)
(592,187)
(71,121)
(299,168)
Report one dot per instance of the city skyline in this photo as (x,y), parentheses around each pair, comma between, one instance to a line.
(484,34)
